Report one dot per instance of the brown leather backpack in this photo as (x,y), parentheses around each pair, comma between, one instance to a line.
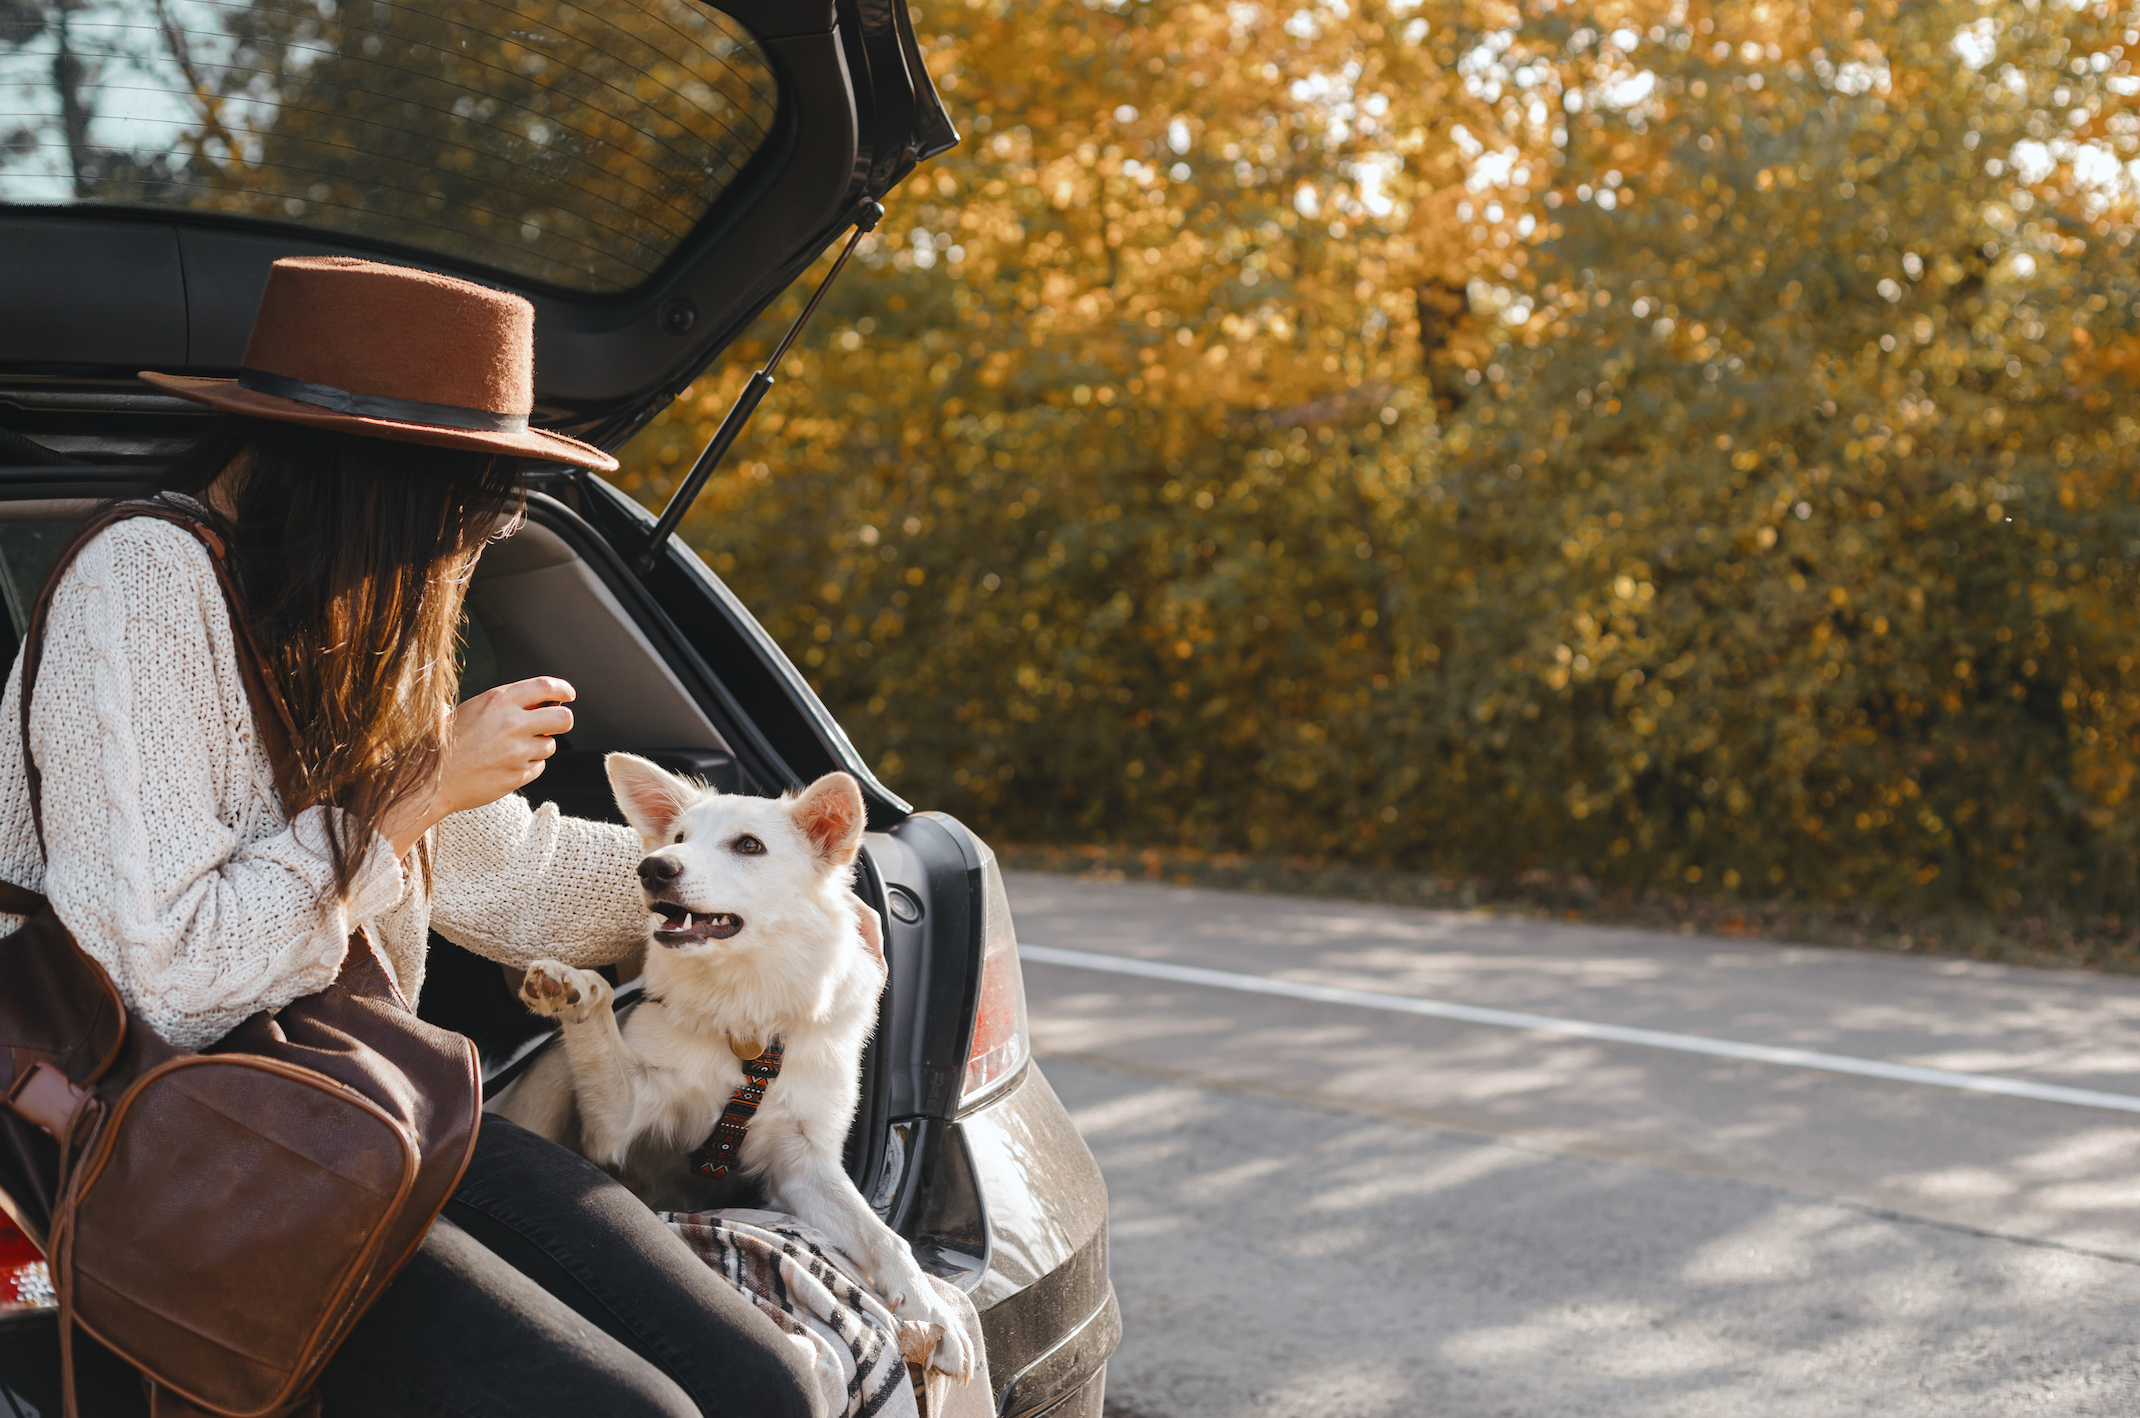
(221,1218)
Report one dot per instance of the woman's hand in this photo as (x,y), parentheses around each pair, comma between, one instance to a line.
(498,743)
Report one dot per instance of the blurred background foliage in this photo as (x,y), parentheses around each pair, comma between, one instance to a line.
(1684,446)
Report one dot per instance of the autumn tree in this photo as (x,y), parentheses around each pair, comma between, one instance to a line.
(1805,481)
(1687,445)
(1095,498)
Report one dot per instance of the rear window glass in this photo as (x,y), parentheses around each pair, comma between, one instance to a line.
(571,143)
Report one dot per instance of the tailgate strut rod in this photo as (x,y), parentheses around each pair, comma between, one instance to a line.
(746,403)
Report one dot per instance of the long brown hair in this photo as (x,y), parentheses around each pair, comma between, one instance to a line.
(352,556)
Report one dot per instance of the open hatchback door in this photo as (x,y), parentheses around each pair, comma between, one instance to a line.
(650,174)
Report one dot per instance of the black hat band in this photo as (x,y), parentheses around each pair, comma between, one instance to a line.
(342,401)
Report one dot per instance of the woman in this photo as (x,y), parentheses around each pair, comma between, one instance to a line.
(368,451)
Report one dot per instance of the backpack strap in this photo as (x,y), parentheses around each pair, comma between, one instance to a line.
(278,731)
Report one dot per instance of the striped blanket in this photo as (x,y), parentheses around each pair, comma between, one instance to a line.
(856,1346)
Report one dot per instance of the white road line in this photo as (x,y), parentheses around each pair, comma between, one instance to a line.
(1581,1029)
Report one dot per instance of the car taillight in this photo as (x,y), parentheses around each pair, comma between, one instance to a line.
(25,1284)
(1000,1046)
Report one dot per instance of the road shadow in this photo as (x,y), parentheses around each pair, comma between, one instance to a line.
(1279,1258)
(2045,1171)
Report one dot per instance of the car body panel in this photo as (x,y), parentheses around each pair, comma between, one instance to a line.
(1025,1134)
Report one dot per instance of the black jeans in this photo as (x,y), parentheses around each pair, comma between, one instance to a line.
(547,1289)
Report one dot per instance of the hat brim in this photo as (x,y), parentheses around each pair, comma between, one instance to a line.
(225,394)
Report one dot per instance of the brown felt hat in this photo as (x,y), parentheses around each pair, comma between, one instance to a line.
(390,352)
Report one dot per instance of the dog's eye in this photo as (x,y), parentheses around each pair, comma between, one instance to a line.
(749,846)
(679,836)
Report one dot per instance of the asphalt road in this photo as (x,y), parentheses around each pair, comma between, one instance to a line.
(1324,1209)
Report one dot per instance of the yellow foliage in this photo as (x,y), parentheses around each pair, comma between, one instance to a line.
(1688,451)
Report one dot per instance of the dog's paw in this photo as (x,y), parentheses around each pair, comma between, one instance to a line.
(933,1340)
(918,1341)
(560,992)
(929,1335)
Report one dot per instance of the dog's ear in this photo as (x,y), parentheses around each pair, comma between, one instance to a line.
(650,799)
(831,815)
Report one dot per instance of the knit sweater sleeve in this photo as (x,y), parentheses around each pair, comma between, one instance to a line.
(521,884)
(163,854)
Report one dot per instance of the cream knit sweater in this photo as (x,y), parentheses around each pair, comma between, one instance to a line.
(168,854)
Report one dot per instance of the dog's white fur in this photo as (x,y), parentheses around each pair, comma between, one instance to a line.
(639,1099)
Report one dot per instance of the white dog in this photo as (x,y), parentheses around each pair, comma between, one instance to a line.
(757,954)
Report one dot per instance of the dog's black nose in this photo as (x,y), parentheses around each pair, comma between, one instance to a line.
(659,871)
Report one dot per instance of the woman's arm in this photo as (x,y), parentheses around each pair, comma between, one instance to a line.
(518,884)
(165,850)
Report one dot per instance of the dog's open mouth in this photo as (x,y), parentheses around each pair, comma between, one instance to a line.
(681,927)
